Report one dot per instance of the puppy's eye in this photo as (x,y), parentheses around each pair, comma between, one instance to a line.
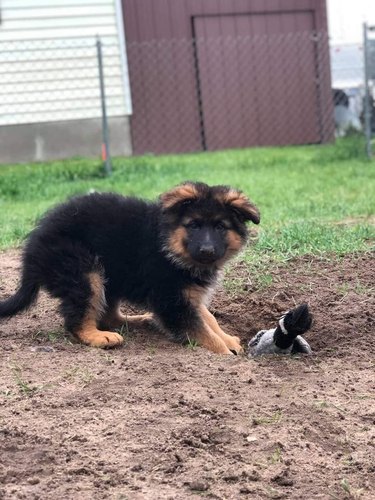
(193,224)
(219,226)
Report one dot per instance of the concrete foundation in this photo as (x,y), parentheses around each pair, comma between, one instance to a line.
(63,139)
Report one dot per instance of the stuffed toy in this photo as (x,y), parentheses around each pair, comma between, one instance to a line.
(286,337)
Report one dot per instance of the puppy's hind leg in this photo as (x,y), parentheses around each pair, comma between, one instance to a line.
(82,309)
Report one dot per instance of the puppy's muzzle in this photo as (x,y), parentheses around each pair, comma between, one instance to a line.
(207,254)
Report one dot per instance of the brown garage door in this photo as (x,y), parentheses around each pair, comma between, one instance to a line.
(257,79)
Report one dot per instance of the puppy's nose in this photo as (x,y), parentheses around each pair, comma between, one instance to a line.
(207,251)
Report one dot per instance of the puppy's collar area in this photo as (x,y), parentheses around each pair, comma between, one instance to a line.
(194,270)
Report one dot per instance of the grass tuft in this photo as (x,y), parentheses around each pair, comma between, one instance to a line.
(24,387)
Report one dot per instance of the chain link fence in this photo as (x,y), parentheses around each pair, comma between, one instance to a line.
(234,92)
(60,80)
(369,72)
(208,93)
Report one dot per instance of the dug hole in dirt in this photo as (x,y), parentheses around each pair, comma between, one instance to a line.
(155,420)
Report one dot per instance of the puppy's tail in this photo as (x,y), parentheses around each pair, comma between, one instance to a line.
(25,296)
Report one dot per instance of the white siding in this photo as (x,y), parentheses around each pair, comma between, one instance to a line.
(48,60)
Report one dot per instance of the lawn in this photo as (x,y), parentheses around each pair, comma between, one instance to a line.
(313,199)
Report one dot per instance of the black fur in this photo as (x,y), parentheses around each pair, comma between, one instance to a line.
(297,321)
(126,241)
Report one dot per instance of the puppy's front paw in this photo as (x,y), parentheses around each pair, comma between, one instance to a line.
(111,339)
(212,342)
(233,343)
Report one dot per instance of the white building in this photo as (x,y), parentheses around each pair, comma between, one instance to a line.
(49,85)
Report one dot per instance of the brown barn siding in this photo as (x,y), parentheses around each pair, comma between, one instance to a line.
(163,74)
(156,19)
(254,109)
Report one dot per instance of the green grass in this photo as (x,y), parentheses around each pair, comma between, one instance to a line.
(52,336)
(313,199)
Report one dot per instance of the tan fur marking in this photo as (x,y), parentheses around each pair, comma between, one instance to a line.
(234,246)
(98,302)
(176,244)
(233,343)
(118,319)
(88,332)
(178,194)
(235,197)
(140,318)
(195,295)
(114,318)
(239,200)
(234,240)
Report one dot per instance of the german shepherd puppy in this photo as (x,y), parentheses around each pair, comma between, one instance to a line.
(96,250)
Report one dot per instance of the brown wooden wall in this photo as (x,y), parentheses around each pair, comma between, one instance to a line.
(184,101)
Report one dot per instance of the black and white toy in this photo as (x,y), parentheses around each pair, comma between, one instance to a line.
(286,337)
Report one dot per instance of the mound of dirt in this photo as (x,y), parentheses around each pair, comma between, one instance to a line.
(340,293)
(155,420)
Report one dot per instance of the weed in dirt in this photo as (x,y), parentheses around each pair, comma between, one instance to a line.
(6,393)
(151,349)
(364,396)
(320,405)
(191,344)
(274,418)
(276,456)
(108,358)
(348,460)
(323,405)
(79,374)
(344,441)
(24,386)
(124,331)
(349,490)
(271,492)
(52,336)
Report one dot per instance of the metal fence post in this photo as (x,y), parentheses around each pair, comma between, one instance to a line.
(106,157)
(367,110)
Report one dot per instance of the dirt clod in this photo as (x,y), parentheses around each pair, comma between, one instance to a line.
(198,486)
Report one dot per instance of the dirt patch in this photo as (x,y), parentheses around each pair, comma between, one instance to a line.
(154,420)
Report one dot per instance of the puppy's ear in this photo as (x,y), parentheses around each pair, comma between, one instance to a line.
(180,194)
(242,206)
